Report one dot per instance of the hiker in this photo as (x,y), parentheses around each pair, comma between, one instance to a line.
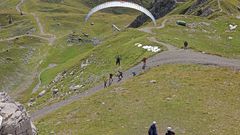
(185,45)
(169,131)
(120,75)
(118,60)
(153,129)
(110,79)
(105,81)
(144,60)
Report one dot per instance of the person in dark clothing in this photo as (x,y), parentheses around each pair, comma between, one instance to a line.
(105,82)
(185,45)
(120,75)
(110,79)
(153,129)
(169,131)
(144,60)
(118,60)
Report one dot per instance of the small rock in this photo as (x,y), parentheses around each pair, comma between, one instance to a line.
(42,93)
(153,81)
(74,88)
(168,99)
(72,73)
(232,27)
(55,91)
(32,100)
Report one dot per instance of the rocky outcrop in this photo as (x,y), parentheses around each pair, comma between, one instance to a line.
(195,7)
(206,12)
(159,9)
(14,119)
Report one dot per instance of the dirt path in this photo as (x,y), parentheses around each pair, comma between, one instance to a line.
(45,36)
(219,6)
(19,5)
(149,29)
(26,35)
(52,37)
(39,77)
(172,56)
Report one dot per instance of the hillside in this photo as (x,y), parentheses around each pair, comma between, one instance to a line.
(50,58)
(208,95)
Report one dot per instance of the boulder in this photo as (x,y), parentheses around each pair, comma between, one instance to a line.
(14,119)
(159,8)
(153,81)
(42,93)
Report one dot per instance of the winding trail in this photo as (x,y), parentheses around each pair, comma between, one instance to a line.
(149,29)
(172,56)
(51,38)
(19,5)
(219,6)
(25,35)
(39,77)
(45,36)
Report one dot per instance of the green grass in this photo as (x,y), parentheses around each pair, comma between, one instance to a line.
(102,62)
(19,59)
(192,99)
(60,19)
(212,38)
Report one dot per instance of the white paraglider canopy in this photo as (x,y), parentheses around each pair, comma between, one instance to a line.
(121,4)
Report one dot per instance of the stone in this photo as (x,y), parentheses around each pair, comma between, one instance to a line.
(72,73)
(153,81)
(232,26)
(32,100)
(42,93)
(55,91)
(58,78)
(74,88)
(206,12)
(14,119)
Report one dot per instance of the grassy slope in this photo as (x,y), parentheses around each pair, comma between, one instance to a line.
(60,19)
(101,60)
(212,39)
(193,99)
(19,57)
(64,18)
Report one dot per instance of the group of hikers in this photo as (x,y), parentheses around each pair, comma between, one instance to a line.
(108,82)
(153,130)
(119,74)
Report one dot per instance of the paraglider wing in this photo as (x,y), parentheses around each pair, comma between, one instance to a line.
(120,4)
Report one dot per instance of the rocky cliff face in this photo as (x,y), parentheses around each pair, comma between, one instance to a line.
(200,9)
(14,119)
(159,8)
